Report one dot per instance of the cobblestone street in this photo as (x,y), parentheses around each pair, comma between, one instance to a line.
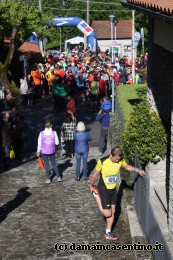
(35,216)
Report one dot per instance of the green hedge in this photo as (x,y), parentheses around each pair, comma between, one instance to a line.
(128,97)
(146,134)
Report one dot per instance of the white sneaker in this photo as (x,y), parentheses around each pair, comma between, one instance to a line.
(59,179)
(47,181)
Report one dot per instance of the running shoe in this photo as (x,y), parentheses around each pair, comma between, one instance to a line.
(59,179)
(110,236)
(47,181)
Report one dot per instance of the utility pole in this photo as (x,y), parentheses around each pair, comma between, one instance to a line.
(133,46)
(87,20)
(40,40)
(60,38)
(88,8)
(39,4)
(112,19)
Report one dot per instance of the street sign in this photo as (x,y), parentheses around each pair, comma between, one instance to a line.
(114,43)
(137,37)
(25,56)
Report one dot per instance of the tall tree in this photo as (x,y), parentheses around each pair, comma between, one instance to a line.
(99,10)
(17,20)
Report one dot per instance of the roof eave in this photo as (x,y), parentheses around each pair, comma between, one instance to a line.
(147,11)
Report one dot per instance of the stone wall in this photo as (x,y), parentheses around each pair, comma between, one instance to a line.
(157,174)
(171,180)
(160,77)
(160,97)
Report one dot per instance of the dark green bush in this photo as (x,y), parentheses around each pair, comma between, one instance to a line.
(142,92)
(146,134)
(14,90)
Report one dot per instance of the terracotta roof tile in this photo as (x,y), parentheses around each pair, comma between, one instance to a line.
(29,47)
(165,6)
(103,29)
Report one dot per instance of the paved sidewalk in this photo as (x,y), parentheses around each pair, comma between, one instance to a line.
(35,216)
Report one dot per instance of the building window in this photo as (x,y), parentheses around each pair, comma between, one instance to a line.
(127,48)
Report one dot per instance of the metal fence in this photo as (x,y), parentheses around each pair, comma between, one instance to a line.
(146,216)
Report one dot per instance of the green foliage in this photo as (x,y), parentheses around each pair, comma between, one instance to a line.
(17,12)
(1,66)
(141,20)
(146,134)
(98,10)
(28,13)
(32,19)
(17,20)
(12,85)
(142,92)
(14,90)
(128,97)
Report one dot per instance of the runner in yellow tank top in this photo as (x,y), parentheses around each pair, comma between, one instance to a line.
(106,194)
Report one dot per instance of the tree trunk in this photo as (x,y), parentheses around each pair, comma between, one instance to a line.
(4,67)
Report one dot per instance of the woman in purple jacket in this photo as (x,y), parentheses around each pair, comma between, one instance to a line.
(81,138)
(47,141)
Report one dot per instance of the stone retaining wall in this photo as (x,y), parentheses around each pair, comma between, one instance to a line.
(160,97)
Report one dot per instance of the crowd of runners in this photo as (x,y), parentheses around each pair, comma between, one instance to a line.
(83,74)
(71,78)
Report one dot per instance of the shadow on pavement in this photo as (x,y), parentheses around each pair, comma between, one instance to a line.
(91,165)
(63,166)
(123,185)
(20,198)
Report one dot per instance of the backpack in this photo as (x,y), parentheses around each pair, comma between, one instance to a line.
(81,79)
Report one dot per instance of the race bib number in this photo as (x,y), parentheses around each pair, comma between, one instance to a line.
(111,179)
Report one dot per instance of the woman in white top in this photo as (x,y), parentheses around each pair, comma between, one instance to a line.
(47,141)
(24,89)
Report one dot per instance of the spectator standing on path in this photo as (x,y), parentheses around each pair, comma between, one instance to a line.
(106,194)
(31,93)
(71,107)
(106,105)
(6,140)
(117,65)
(68,128)
(62,93)
(81,138)
(104,118)
(81,82)
(24,90)
(74,69)
(47,141)
(20,142)
(72,87)
(102,89)
(123,76)
(94,93)
(56,81)
(36,75)
(116,77)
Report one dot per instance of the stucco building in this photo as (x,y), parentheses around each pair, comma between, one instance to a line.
(160,97)
(122,35)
